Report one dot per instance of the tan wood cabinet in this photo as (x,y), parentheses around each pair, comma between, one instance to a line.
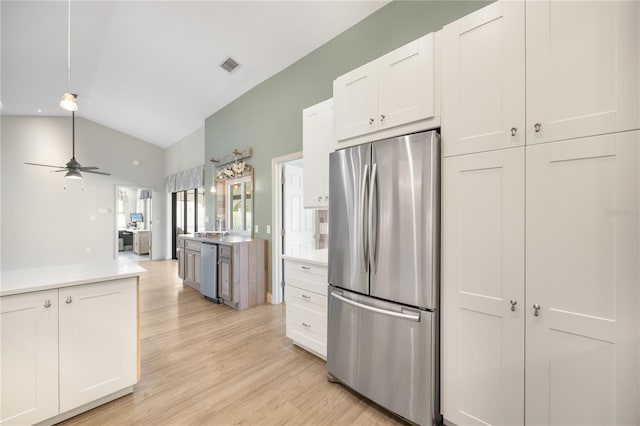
(243,273)
(141,242)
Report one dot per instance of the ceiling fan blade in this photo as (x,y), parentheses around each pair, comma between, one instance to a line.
(97,173)
(58,171)
(45,165)
(84,169)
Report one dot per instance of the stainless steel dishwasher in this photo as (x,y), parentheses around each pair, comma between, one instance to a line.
(209,271)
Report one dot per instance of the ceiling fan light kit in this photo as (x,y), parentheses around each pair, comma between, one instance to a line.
(68,102)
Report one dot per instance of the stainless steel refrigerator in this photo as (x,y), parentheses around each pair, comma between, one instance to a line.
(384,273)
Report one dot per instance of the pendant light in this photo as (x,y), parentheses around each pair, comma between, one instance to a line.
(68,101)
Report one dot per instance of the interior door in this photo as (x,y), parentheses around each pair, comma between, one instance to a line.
(404,206)
(348,246)
(483,80)
(299,226)
(582,281)
(483,288)
(582,68)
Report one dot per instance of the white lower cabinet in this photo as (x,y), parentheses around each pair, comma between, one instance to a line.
(65,348)
(98,341)
(575,251)
(306,298)
(29,360)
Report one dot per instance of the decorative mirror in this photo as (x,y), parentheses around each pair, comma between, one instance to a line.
(234,198)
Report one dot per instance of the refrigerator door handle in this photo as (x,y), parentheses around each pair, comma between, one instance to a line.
(409,317)
(373,186)
(363,197)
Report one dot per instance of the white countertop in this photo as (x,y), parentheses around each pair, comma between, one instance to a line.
(319,257)
(228,240)
(35,279)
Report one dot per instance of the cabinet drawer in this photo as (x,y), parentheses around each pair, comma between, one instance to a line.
(224,251)
(307,331)
(306,276)
(192,245)
(306,300)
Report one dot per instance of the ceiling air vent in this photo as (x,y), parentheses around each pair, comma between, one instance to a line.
(229,64)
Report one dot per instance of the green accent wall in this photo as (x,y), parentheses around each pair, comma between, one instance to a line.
(269,116)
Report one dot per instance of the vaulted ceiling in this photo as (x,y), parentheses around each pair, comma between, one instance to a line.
(151,68)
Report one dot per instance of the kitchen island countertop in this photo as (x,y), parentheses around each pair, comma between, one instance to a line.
(35,279)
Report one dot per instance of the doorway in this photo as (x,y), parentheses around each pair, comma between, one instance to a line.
(296,230)
(133,223)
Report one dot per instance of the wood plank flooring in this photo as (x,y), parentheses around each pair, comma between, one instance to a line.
(206,364)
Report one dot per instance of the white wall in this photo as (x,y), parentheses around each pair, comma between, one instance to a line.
(183,155)
(43,224)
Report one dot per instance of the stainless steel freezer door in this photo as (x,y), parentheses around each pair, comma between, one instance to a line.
(385,352)
(404,219)
(348,182)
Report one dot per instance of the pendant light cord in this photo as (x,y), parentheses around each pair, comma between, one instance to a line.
(73,134)
(69,48)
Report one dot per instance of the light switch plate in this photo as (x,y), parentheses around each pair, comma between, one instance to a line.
(257,229)
(92,218)
(268,229)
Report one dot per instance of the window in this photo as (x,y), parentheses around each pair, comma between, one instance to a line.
(188,213)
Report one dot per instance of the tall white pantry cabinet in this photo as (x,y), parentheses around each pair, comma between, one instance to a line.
(541,215)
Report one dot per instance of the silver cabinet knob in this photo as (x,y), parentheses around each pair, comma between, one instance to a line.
(319,198)
(371,120)
(304,296)
(536,310)
(537,127)
(326,198)
(382,116)
(306,267)
(514,131)
(47,303)
(513,304)
(69,300)
(304,324)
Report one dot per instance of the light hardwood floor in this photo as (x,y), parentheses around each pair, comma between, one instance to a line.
(206,364)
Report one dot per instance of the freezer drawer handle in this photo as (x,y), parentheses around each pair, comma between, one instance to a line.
(409,317)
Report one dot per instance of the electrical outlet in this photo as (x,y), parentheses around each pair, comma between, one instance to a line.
(257,229)
(87,250)
(268,229)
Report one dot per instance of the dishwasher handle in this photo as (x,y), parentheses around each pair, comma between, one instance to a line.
(400,315)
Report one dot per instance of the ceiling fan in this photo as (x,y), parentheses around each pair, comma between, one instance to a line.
(73,167)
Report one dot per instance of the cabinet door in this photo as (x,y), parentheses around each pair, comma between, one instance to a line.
(29,360)
(317,141)
(356,102)
(582,68)
(483,80)
(196,267)
(483,274)
(406,83)
(582,273)
(190,266)
(180,253)
(226,285)
(98,340)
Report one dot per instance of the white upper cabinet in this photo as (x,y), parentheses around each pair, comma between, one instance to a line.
(582,68)
(356,102)
(29,361)
(483,79)
(393,95)
(483,304)
(405,83)
(582,280)
(317,142)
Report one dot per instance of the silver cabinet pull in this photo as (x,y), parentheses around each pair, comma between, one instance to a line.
(536,310)
(304,296)
(306,267)
(537,127)
(319,198)
(513,304)
(371,120)
(382,117)
(47,303)
(514,131)
(326,198)
(304,324)
(69,300)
